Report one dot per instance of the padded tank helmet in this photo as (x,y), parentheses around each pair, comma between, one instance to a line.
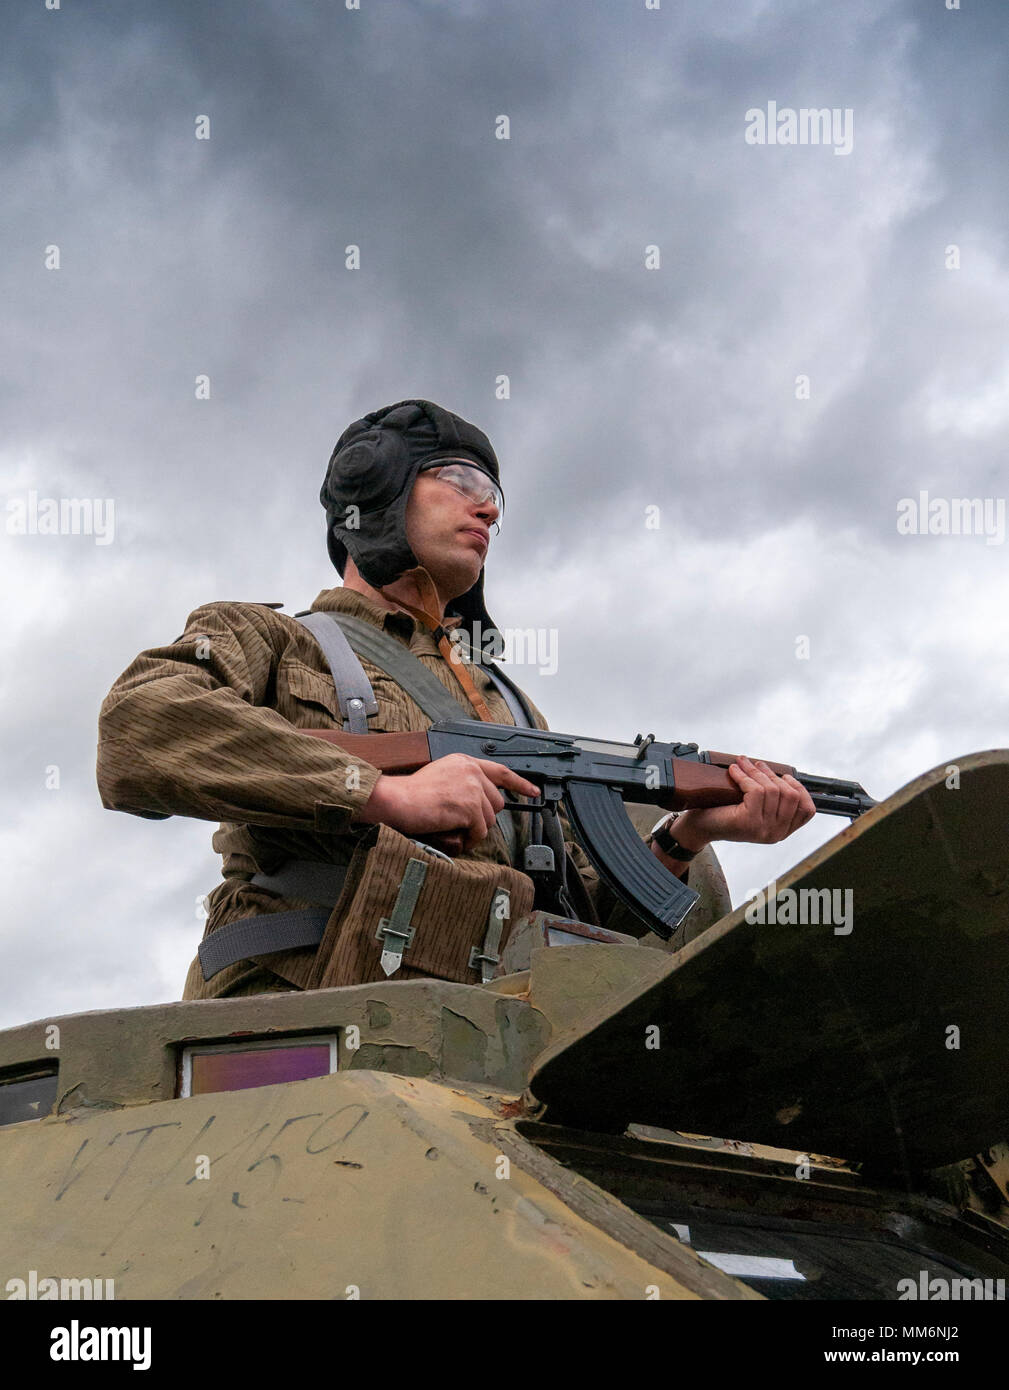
(368,483)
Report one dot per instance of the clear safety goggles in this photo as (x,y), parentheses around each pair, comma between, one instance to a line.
(472,482)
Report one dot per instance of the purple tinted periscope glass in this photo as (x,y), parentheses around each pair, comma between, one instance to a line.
(265,1066)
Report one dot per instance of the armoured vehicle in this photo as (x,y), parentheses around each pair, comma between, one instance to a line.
(552,1133)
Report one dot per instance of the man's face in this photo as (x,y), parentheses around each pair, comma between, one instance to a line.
(449,533)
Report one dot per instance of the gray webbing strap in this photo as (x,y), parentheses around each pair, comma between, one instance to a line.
(512,697)
(353,688)
(396,932)
(486,957)
(259,936)
(407,670)
(313,881)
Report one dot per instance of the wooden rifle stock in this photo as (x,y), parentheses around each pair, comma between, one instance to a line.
(387,752)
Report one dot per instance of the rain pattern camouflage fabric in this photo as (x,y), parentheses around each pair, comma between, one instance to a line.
(207,727)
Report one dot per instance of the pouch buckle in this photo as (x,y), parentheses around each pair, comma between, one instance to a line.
(395,932)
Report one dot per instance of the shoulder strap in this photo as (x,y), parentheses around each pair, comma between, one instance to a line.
(407,670)
(513,697)
(353,688)
(341,636)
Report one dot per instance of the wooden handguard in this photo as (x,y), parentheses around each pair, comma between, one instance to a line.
(724,759)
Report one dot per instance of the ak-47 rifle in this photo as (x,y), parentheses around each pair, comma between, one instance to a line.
(592,777)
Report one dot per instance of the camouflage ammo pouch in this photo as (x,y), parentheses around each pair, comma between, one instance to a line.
(407,911)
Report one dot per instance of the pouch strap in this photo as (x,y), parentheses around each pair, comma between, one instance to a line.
(486,957)
(396,932)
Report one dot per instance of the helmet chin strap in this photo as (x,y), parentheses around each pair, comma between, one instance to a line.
(428,616)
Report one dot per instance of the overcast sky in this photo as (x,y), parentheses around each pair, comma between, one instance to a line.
(654,286)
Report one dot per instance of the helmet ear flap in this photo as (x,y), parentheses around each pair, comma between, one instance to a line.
(337,550)
(370,475)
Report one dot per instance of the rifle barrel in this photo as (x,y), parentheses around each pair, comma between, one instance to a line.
(835,797)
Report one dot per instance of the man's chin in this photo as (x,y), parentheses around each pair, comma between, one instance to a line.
(455,582)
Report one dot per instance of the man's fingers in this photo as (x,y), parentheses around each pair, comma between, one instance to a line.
(766,792)
(503,776)
(746,782)
(784,803)
(797,817)
(804,810)
(805,801)
(490,811)
(480,816)
(479,824)
(492,794)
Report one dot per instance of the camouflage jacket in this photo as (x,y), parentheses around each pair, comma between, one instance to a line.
(207,727)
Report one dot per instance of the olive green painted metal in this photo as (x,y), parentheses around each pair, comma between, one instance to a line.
(875,1027)
(359,1184)
(418,1028)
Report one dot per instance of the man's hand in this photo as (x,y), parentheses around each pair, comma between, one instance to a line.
(455,793)
(771,809)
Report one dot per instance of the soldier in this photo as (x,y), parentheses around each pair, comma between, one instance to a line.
(315,843)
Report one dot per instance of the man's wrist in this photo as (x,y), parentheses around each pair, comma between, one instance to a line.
(684,831)
(376,808)
(334,817)
(669,858)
